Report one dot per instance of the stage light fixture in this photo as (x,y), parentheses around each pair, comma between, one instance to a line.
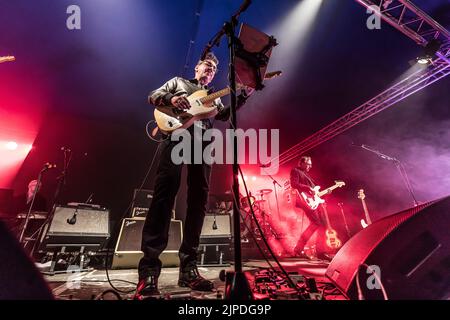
(429,52)
(11,145)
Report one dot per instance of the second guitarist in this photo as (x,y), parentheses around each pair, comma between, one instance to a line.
(302,182)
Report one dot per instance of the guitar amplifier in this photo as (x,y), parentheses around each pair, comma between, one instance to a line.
(128,247)
(142,199)
(78,226)
(216,229)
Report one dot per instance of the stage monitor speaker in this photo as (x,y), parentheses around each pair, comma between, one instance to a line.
(411,250)
(128,247)
(19,278)
(78,226)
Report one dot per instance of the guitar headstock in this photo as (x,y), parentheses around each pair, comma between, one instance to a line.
(361,194)
(7,59)
(273,74)
(339,183)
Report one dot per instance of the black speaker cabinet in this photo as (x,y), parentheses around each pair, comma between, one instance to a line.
(128,247)
(411,250)
(142,199)
(19,278)
(78,226)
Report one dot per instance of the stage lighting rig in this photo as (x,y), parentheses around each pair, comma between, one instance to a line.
(429,52)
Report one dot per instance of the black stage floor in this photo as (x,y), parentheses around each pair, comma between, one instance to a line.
(93,284)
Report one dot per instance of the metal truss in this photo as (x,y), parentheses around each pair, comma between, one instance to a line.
(407,18)
(416,24)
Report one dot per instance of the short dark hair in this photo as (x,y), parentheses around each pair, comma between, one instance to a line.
(210,56)
(304,159)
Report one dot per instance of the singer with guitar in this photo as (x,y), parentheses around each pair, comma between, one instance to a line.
(309,201)
(173,98)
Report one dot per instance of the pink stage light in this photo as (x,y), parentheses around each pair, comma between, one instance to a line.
(11,145)
(12,155)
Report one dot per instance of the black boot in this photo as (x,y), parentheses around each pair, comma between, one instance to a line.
(147,287)
(190,277)
(149,270)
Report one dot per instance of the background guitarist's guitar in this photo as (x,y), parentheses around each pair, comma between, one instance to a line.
(312,202)
(7,59)
(202,105)
(332,239)
(368,221)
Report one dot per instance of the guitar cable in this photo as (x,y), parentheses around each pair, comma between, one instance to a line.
(153,133)
(283,271)
(377,278)
(120,224)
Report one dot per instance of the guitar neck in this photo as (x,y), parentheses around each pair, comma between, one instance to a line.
(226,91)
(7,59)
(321,193)
(366,211)
(213,96)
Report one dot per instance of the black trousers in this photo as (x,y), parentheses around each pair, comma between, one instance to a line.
(155,234)
(316,224)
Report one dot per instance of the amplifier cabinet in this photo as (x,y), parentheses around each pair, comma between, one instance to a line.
(78,226)
(216,229)
(142,199)
(128,247)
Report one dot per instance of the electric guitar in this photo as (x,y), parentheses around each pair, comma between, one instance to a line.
(332,240)
(312,202)
(202,105)
(368,221)
(7,59)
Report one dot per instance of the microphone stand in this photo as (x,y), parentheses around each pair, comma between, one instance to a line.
(399,167)
(237,286)
(275,183)
(27,218)
(61,181)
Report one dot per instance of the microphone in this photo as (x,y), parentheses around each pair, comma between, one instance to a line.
(89,200)
(245,5)
(73,220)
(214,226)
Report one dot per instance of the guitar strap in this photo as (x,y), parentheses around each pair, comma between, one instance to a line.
(310,180)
